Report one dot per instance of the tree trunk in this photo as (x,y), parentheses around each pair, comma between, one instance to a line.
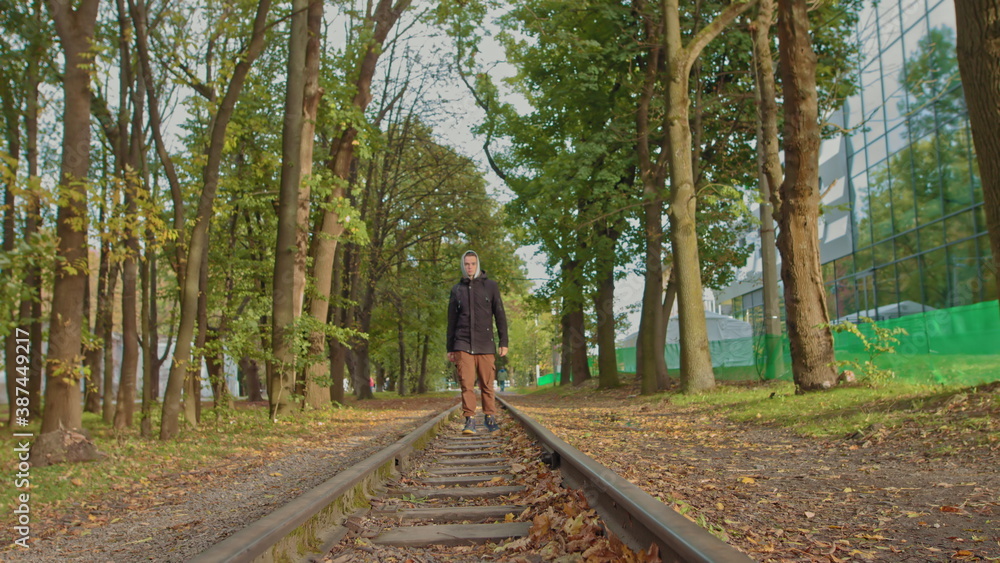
(978,46)
(251,374)
(132,184)
(336,351)
(130,329)
(798,216)
(324,245)
(696,372)
(9,174)
(137,8)
(566,353)
(150,343)
(316,369)
(215,362)
(198,245)
(669,296)
(604,304)
(99,383)
(769,179)
(424,353)
(360,348)
(63,405)
(696,363)
(31,307)
(283,302)
(652,173)
(401,345)
(107,334)
(578,341)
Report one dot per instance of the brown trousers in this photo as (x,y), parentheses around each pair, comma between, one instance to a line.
(469,367)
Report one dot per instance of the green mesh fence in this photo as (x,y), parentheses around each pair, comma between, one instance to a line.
(960,346)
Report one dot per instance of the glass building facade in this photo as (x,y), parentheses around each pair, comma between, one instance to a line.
(904,227)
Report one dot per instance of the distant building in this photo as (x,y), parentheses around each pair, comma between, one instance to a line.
(904,228)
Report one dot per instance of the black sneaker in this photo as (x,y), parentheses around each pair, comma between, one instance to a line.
(470,426)
(491,423)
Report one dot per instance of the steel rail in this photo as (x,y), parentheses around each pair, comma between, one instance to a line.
(637,518)
(308,524)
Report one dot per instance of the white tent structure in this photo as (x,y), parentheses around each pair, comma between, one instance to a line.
(720,327)
(730,341)
(885,312)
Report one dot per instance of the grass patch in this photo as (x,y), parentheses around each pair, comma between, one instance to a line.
(833,413)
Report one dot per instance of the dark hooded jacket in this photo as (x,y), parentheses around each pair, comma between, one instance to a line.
(475,303)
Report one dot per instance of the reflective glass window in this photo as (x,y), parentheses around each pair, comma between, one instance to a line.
(876,152)
(977,184)
(942,12)
(868,33)
(883,253)
(932,236)
(861,221)
(863,259)
(899,139)
(980,215)
(871,100)
(909,280)
(987,271)
(846,297)
(906,245)
(885,285)
(904,211)
(955,168)
(963,265)
(959,227)
(843,267)
(875,130)
(924,176)
(912,12)
(934,274)
(888,20)
(858,165)
(865,293)
(827,272)
(880,199)
(893,84)
(831,300)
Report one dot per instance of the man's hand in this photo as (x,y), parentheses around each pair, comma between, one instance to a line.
(503,351)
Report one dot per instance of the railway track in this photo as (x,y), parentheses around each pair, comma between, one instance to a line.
(438,495)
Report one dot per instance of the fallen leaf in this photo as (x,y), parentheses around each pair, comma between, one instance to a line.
(276,474)
(77,481)
(748,480)
(810,514)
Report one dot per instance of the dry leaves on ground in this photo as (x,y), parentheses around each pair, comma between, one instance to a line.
(782,497)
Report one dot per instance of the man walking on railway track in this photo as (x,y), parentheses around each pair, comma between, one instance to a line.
(474,305)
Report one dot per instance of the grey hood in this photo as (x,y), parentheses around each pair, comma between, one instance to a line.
(461,264)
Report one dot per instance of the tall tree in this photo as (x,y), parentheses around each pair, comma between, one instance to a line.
(197,248)
(135,151)
(63,405)
(978,26)
(769,181)
(281,387)
(696,363)
(797,205)
(376,25)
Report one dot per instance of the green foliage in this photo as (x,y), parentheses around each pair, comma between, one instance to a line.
(883,341)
